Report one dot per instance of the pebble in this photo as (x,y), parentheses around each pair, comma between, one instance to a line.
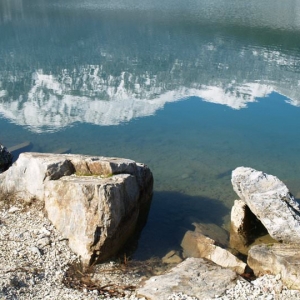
(267,287)
(13,209)
(34,259)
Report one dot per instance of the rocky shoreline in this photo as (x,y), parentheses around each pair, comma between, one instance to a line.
(94,204)
(35,260)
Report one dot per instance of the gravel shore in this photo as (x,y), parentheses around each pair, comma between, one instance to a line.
(36,263)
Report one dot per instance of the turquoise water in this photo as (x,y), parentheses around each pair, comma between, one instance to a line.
(193,89)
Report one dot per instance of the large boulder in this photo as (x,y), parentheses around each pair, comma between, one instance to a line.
(277,259)
(194,277)
(6,159)
(270,201)
(95,202)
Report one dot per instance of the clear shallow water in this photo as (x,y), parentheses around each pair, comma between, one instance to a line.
(192,89)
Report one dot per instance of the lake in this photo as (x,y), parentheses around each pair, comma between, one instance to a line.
(193,89)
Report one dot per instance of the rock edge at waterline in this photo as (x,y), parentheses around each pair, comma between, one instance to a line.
(95,202)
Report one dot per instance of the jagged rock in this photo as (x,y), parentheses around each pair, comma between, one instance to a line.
(5,159)
(193,277)
(270,201)
(95,202)
(282,259)
(196,244)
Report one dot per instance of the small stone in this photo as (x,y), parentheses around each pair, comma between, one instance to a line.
(13,209)
(45,232)
(43,242)
(278,277)
(35,250)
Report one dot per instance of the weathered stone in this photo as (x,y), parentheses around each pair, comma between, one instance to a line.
(277,259)
(95,202)
(29,173)
(195,244)
(270,201)
(193,277)
(97,215)
(5,159)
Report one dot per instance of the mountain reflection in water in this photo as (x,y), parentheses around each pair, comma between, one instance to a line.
(87,74)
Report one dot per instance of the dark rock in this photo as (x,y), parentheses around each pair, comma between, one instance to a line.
(6,159)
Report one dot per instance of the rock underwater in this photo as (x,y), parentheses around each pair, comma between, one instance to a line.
(95,202)
(201,244)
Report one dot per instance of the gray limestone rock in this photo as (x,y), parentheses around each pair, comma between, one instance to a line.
(27,176)
(95,202)
(194,277)
(97,215)
(277,259)
(270,201)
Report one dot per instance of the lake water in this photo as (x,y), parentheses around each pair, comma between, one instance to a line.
(191,88)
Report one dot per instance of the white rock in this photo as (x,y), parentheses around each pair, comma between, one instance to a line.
(13,209)
(35,250)
(271,202)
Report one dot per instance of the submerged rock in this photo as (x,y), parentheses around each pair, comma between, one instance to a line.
(95,202)
(193,277)
(196,244)
(270,201)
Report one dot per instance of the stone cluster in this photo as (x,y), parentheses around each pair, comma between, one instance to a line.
(94,204)
(266,214)
(266,206)
(34,259)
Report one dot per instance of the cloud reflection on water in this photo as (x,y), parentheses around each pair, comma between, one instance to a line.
(83,66)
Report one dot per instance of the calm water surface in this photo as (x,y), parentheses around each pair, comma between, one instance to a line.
(191,88)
